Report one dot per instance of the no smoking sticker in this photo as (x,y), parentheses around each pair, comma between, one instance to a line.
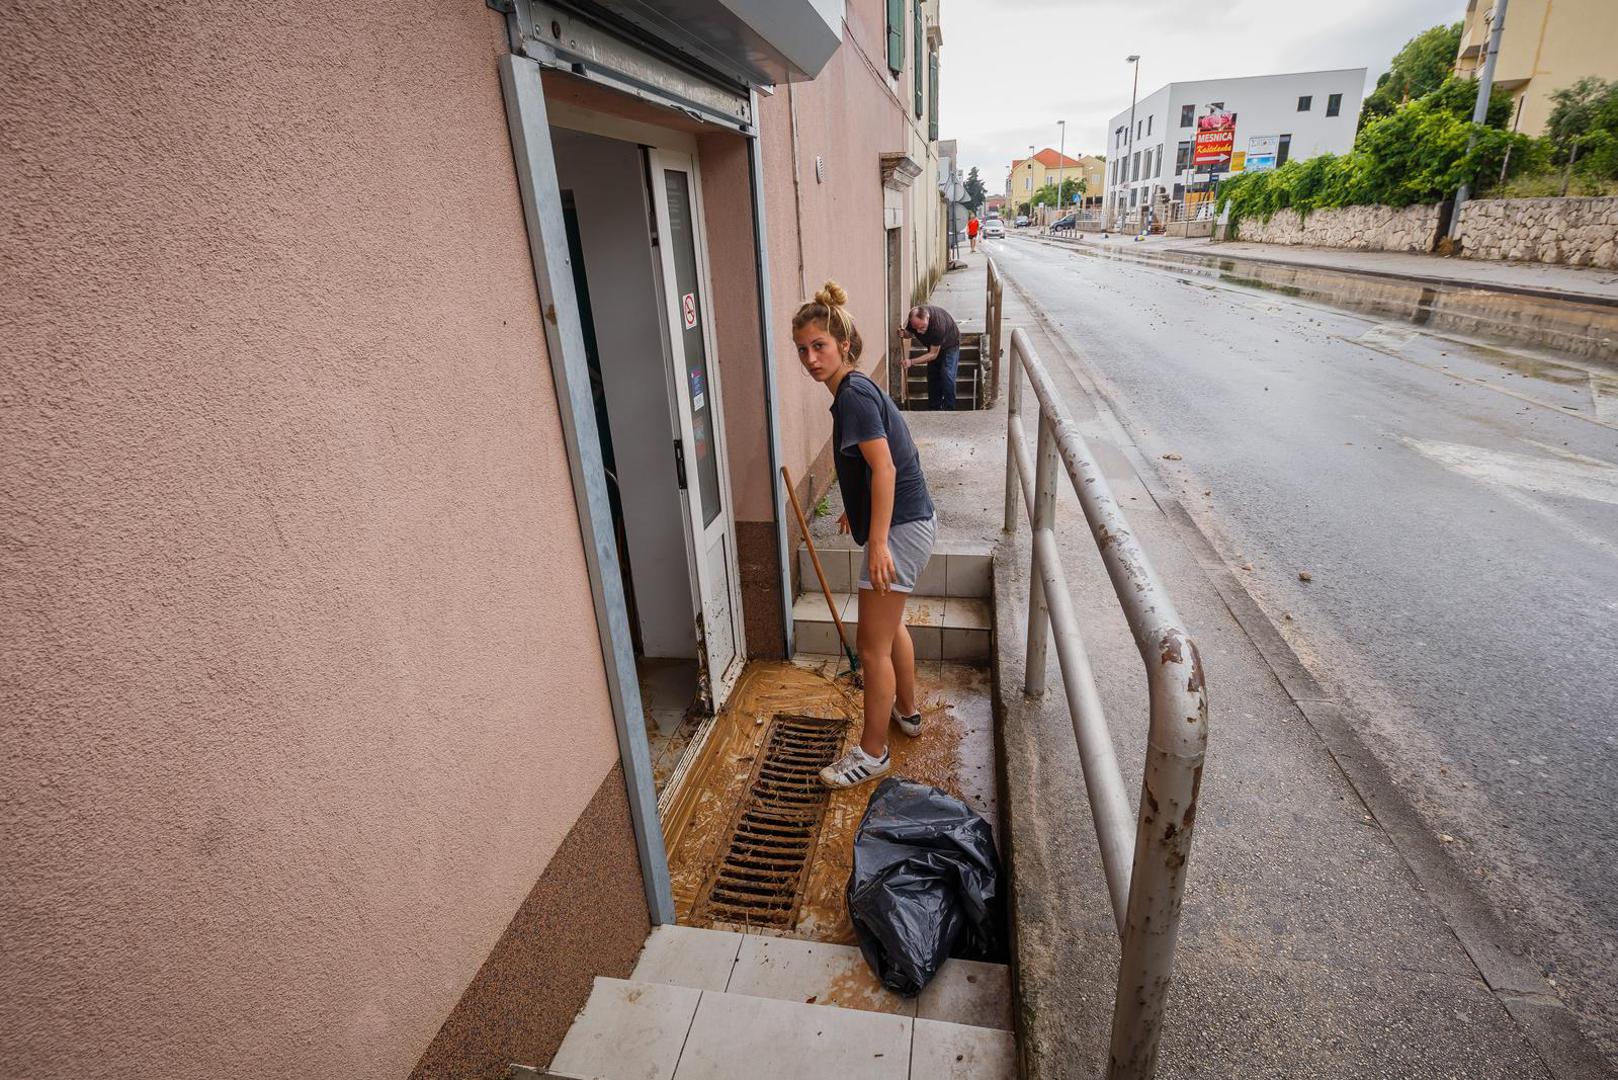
(688,304)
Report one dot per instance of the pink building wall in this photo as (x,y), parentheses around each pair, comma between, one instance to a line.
(850,116)
(302,689)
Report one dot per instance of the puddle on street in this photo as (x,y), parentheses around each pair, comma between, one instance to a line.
(1586,331)
(955,702)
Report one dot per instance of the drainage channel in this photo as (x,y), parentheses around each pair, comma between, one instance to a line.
(759,880)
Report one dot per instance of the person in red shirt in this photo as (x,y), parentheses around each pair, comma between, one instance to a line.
(972,227)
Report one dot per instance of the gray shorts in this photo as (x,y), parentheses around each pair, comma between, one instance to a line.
(911,545)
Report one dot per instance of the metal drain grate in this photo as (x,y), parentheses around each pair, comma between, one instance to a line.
(760,878)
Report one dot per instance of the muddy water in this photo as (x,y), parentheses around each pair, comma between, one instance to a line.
(765,690)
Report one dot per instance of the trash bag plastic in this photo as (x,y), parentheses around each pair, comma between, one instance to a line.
(926,885)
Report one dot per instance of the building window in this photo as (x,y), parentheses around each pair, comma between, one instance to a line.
(918,78)
(1133,192)
(1028,181)
(896,36)
(932,93)
(1157,169)
(1135,167)
(1305,101)
(1188,113)
(1334,104)
(1139,127)
(1282,150)
(1217,106)
(1148,125)
(1182,158)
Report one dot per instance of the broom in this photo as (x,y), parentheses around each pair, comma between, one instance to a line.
(814,557)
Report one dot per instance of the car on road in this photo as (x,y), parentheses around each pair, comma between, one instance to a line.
(1022,220)
(994,229)
(1065,223)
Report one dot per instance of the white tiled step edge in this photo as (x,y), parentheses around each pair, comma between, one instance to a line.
(813,972)
(631,1030)
(947,573)
(942,628)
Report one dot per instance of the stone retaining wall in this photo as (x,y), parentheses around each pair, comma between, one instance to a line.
(1362,228)
(1577,232)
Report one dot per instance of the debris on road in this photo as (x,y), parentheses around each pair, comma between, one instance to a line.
(1172,457)
(1304,575)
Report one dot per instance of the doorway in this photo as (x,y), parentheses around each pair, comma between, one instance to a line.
(633,217)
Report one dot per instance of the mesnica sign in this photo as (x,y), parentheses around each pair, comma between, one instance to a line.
(1216,138)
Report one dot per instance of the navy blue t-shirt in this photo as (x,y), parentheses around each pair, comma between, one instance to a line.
(860,412)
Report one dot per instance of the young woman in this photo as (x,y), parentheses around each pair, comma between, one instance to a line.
(888,510)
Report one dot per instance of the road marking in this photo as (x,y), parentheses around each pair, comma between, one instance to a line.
(1525,480)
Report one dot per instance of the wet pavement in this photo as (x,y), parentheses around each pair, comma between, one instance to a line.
(1454,504)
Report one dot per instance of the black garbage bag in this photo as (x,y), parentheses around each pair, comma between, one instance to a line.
(926,885)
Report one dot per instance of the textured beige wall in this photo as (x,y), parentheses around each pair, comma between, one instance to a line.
(302,688)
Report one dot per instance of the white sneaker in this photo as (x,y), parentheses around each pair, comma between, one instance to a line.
(854,767)
(910,725)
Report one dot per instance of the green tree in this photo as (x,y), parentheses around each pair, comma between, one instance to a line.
(1071,186)
(1417,69)
(975,191)
(1583,128)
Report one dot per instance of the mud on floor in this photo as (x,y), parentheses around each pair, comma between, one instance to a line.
(954,752)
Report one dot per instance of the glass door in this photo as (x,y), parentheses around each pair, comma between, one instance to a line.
(700,449)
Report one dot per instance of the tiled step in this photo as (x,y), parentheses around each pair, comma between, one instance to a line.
(815,973)
(948,573)
(942,628)
(635,1030)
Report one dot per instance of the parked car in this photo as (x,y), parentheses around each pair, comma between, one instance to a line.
(1022,220)
(994,229)
(1065,223)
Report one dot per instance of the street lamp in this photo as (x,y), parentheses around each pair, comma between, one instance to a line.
(1030,179)
(1129,134)
(1061,164)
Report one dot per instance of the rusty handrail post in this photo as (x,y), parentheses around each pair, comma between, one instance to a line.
(1148,893)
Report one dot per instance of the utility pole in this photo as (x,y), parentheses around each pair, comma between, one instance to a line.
(1480,111)
(1129,135)
(1061,164)
(1030,187)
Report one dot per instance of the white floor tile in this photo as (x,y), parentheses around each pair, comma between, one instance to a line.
(968,992)
(689,956)
(812,973)
(955,1052)
(749,1038)
(627,1031)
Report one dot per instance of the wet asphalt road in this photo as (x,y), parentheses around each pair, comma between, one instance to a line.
(1457,508)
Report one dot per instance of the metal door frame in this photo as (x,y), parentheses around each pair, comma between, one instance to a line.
(529,122)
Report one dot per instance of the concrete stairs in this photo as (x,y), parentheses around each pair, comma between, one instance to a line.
(718,1005)
(948,615)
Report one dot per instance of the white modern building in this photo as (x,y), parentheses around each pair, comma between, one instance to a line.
(1280,117)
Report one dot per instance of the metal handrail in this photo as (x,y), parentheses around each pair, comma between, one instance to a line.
(991,321)
(1145,870)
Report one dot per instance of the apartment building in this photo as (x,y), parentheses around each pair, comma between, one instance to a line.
(1544,47)
(388,395)
(1149,148)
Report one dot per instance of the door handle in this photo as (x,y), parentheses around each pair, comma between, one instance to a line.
(679,463)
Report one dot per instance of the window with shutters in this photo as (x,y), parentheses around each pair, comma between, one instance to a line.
(932,93)
(920,102)
(896,36)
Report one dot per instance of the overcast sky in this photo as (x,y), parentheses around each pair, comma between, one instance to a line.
(1012,68)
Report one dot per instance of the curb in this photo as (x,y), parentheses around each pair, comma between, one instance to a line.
(1513,979)
(1166,257)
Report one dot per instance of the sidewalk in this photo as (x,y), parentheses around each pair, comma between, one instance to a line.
(1536,279)
(1318,936)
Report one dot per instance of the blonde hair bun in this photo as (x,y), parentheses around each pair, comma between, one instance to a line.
(831,294)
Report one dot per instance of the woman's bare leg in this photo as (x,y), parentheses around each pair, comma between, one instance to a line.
(881,619)
(904,669)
